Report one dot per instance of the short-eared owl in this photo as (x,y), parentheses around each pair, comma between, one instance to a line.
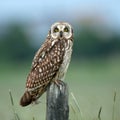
(50,63)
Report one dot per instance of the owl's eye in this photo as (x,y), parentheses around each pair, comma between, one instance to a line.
(56,29)
(66,29)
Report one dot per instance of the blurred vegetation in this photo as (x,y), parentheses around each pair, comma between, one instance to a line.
(95,42)
(89,41)
(15,45)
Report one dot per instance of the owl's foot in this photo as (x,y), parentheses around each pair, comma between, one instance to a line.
(59,83)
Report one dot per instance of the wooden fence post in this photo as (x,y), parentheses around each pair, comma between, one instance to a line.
(57,102)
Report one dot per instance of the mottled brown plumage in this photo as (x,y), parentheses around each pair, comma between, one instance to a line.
(50,62)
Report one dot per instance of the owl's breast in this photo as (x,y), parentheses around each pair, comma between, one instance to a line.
(66,60)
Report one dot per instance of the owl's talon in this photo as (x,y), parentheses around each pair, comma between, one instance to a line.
(59,83)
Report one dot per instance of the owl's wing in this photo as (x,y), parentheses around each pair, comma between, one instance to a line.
(45,64)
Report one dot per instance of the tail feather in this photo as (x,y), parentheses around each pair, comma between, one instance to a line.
(26,99)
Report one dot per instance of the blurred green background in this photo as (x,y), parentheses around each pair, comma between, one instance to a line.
(94,72)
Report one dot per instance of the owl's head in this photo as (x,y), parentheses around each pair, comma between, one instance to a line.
(60,30)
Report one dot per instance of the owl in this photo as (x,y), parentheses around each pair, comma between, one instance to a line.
(50,63)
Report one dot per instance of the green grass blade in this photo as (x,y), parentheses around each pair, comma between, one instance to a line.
(76,103)
(11,98)
(99,113)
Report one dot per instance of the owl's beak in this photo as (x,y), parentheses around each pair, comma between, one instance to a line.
(61,34)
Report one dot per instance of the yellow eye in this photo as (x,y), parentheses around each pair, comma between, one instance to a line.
(66,29)
(56,30)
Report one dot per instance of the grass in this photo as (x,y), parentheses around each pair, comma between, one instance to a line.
(99,113)
(95,85)
(16,116)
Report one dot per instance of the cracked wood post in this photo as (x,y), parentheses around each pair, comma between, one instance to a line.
(57,102)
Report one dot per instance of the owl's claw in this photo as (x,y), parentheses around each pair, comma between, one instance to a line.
(59,83)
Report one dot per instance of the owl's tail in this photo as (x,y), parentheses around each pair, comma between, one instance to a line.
(26,99)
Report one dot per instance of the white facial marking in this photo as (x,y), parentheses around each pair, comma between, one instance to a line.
(60,27)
